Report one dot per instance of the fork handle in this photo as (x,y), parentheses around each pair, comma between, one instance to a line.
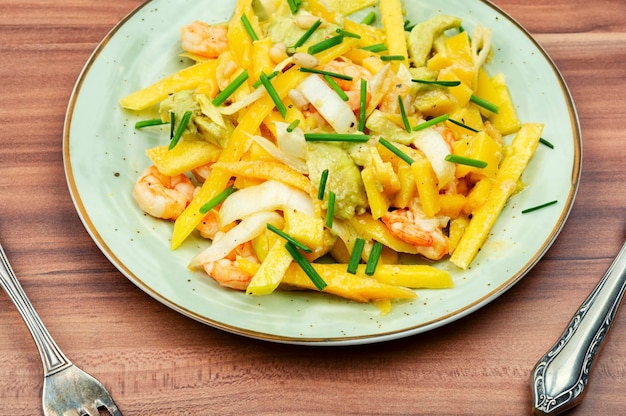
(560,377)
(51,356)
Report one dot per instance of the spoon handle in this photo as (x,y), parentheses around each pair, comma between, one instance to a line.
(560,377)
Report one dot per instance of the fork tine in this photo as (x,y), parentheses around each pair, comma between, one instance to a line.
(110,405)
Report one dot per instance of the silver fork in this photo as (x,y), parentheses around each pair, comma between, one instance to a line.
(67,390)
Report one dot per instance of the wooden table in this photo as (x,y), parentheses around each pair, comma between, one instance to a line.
(156,361)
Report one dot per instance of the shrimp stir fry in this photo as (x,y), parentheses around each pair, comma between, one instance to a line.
(203,39)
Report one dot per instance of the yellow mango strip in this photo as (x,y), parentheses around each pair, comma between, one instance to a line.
(272,270)
(407,186)
(414,276)
(347,285)
(307,229)
(185,79)
(370,35)
(236,145)
(185,156)
(515,161)
(261,61)
(320,9)
(458,226)
(239,41)
(267,170)
(378,201)
(427,188)
(371,229)
(393,23)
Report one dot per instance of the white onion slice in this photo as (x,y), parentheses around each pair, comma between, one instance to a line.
(244,102)
(249,228)
(435,148)
(334,110)
(269,196)
(293,162)
(293,142)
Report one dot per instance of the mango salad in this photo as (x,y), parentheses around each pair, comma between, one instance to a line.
(318,151)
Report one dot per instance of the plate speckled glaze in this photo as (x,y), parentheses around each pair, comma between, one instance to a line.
(103,155)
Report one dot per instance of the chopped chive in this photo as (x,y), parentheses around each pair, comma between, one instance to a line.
(439,83)
(330,210)
(392,58)
(348,34)
(396,151)
(405,118)
(258,83)
(362,104)
(336,137)
(292,126)
(462,160)
(294,5)
(355,257)
(288,238)
(372,262)
(341,93)
(180,129)
(322,188)
(408,26)
(172,124)
(280,106)
(431,122)
(325,44)
(248,27)
(304,264)
(546,143)
(149,123)
(547,204)
(217,199)
(484,104)
(369,18)
(306,35)
(377,47)
(330,74)
(465,126)
(230,89)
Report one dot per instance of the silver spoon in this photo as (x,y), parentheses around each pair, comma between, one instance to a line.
(560,377)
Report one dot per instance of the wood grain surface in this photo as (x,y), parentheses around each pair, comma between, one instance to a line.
(155,361)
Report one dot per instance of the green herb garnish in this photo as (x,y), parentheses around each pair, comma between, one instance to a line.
(341,93)
(330,210)
(372,261)
(396,151)
(329,73)
(304,264)
(248,27)
(355,256)
(217,199)
(230,89)
(481,102)
(325,44)
(438,83)
(377,47)
(465,126)
(405,118)
(546,143)
(336,137)
(348,34)
(289,238)
(258,83)
(292,126)
(306,35)
(280,106)
(322,188)
(149,123)
(369,18)
(547,204)
(468,161)
(362,104)
(431,122)
(392,58)
(180,129)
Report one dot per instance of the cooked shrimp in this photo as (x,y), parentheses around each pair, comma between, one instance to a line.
(210,224)
(163,196)
(203,39)
(412,225)
(227,272)
(352,87)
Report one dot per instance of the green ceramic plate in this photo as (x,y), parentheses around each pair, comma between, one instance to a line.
(103,155)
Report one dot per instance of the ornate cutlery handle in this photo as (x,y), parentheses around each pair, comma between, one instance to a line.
(51,356)
(561,375)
